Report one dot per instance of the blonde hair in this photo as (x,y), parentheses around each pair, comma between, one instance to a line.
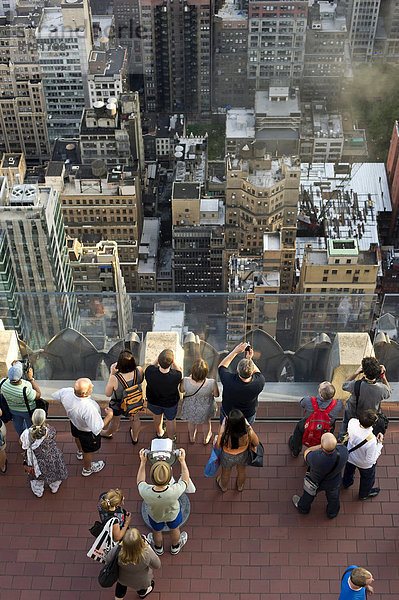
(38,429)
(112,499)
(360,576)
(133,547)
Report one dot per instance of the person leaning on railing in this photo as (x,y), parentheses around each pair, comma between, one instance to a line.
(13,392)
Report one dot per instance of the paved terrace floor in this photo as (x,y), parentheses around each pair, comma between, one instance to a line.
(249,546)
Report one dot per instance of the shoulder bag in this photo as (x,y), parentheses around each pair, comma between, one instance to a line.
(310,486)
(367,439)
(109,574)
(104,542)
(39,403)
(196,391)
(6,413)
(255,456)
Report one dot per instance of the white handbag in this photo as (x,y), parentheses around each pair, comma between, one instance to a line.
(104,542)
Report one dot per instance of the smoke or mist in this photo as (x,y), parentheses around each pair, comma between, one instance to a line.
(374,97)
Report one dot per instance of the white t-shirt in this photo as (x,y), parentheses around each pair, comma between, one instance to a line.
(84,413)
(366,456)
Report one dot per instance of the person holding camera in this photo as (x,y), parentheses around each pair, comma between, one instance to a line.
(13,392)
(372,389)
(242,388)
(162,501)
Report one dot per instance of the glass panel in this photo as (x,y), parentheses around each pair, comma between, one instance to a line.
(71,335)
(386,336)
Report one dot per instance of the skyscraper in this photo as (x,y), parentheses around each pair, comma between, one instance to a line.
(32,222)
(276,41)
(177,55)
(23,126)
(64,38)
(362,30)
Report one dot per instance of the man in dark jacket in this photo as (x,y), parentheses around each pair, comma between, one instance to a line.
(325,396)
(326,462)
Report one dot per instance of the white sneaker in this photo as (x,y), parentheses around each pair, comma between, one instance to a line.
(95,468)
(150,539)
(79,455)
(183,540)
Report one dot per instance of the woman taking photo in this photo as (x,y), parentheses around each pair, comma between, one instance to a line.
(199,404)
(126,369)
(44,461)
(110,506)
(136,559)
(235,437)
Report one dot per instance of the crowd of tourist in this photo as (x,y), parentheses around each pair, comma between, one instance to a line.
(358,446)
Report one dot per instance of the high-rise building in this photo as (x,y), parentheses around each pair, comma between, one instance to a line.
(340,283)
(107,74)
(112,133)
(261,196)
(362,29)
(276,41)
(23,126)
(65,38)
(324,60)
(230,51)
(177,55)
(198,249)
(32,221)
(128,34)
(96,269)
(387,36)
(100,207)
(393,180)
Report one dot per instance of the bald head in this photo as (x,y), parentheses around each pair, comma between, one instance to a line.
(328,442)
(326,390)
(83,387)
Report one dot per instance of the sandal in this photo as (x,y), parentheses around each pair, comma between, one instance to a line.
(240,488)
(131,437)
(107,437)
(220,485)
(207,439)
(148,590)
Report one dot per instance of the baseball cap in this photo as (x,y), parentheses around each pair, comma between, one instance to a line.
(15,372)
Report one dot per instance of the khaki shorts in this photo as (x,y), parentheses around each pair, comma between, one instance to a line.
(3,433)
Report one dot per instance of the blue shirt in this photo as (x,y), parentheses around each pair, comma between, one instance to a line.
(346,592)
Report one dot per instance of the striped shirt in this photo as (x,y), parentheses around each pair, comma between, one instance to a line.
(14,395)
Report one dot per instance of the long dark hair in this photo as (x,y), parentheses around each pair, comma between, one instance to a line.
(235,429)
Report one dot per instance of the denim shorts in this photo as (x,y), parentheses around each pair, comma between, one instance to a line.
(171,524)
(170,412)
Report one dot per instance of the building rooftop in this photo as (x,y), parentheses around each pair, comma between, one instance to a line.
(55,169)
(186,191)
(320,257)
(348,198)
(167,126)
(273,108)
(231,11)
(271,241)
(148,248)
(240,123)
(107,63)
(215,207)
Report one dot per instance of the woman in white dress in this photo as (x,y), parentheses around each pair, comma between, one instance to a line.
(199,405)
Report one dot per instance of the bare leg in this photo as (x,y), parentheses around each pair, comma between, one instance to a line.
(171,429)
(207,431)
(79,445)
(175,536)
(225,478)
(192,431)
(87,456)
(158,420)
(3,460)
(241,477)
(135,425)
(158,538)
(112,426)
